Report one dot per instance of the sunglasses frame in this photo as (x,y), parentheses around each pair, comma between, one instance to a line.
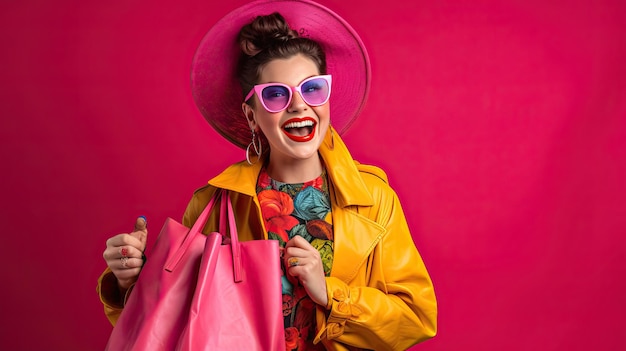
(258,90)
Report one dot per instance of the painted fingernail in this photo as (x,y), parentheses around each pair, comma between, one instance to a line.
(145,220)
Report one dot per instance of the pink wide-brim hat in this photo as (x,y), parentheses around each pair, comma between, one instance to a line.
(216,90)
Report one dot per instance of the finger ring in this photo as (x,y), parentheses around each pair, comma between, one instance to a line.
(124,261)
(124,252)
(293,261)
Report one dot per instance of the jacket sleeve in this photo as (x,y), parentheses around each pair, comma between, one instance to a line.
(393,306)
(110,295)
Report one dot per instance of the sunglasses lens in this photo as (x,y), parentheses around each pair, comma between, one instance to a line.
(275,97)
(315,91)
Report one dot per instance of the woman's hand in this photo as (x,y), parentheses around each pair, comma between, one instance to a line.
(304,263)
(124,254)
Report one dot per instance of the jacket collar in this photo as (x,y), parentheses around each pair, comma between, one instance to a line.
(348,186)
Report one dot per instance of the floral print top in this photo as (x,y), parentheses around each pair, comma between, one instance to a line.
(298,209)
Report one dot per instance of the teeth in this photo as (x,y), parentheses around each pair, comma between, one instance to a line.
(299,124)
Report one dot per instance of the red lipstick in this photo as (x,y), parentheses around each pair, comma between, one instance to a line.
(300,124)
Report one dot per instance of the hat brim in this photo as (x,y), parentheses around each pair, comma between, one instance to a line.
(216,90)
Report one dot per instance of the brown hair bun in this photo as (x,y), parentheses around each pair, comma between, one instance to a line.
(264,32)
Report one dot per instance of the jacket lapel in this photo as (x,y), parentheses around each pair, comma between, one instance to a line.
(355,235)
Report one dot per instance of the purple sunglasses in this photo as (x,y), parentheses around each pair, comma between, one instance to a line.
(276,97)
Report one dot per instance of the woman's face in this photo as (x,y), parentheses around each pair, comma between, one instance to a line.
(296,133)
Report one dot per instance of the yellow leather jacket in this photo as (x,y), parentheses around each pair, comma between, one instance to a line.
(379,291)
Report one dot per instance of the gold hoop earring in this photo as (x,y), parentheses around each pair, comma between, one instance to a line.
(257,149)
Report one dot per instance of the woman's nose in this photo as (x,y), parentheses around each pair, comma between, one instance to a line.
(297,103)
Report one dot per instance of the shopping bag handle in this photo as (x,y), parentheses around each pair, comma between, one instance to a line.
(195,230)
(227,210)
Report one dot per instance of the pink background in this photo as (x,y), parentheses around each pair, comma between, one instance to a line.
(502,125)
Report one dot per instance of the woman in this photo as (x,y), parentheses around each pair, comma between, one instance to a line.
(352,277)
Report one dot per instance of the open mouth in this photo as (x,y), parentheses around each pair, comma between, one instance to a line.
(300,129)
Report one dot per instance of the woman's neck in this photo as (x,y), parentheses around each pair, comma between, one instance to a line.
(294,171)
